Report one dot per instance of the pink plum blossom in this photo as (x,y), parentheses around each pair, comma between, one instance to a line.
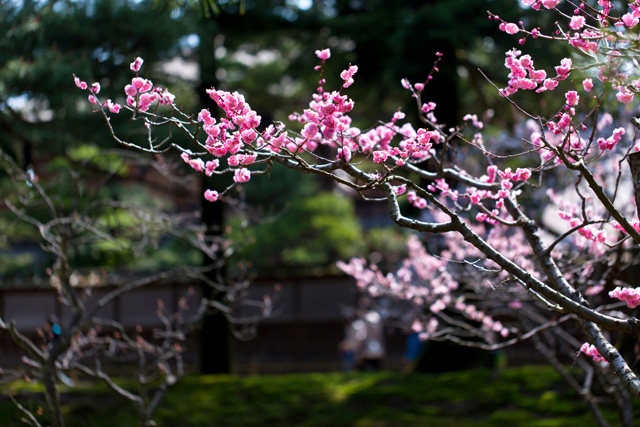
(130,90)
(550,84)
(522,174)
(590,350)
(572,97)
(79,83)
(550,4)
(630,20)
(344,153)
(242,175)
(210,166)
(136,64)
(624,95)
(576,22)
(509,28)
(380,156)
(564,68)
(428,107)
(323,54)
(113,107)
(210,195)
(628,295)
(347,75)
(474,120)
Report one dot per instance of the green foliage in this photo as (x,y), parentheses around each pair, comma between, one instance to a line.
(206,8)
(91,156)
(264,49)
(44,45)
(107,223)
(527,396)
(14,263)
(294,227)
(48,127)
(385,246)
(311,232)
(331,223)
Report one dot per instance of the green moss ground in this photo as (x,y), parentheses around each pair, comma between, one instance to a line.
(527,396)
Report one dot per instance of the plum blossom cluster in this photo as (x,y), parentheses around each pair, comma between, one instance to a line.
(140,93)
(587,231)
(585,218)
(536,4)
(507,179)
(325,122)
(628,295)
(505,261)
(474,120)
(430,283)
(572,213)
(524,76)
(199,165)
(610,143)
(113,107)
(602,28)
(635,224)
(237,139)
(590,350)
(563,142)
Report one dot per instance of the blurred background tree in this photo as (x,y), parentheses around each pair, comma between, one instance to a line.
(265,50)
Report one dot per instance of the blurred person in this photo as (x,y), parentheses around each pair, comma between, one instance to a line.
(350,343)
(372,348)
(414,347)
(52,334)
(52,330)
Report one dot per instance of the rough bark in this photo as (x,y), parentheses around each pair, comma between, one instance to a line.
(634,164)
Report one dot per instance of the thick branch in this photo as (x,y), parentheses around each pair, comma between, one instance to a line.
(22,341)
(617,363)
(606,202)
(631,325)
(403,221)
(634,164)
(98,373)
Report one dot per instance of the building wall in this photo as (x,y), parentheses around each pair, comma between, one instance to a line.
(302,334)
(306,328)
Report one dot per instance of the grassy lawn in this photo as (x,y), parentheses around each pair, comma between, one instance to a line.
(527,396)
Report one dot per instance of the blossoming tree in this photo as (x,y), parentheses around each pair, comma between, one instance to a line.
(89,337)
(541,236)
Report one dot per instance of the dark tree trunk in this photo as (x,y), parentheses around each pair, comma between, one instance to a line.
(215,336)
